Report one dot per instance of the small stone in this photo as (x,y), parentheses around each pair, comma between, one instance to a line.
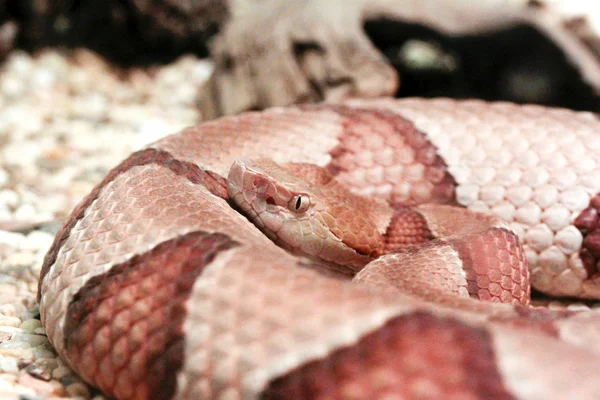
(10,329)
(8,292)
(25,212)
(3,177)
(27,396)
(578,307)
(9,198)
(78,389)
(5,215)
(48,363)
(20,259)
(38,240)
(26,313)
(10,378)
(59,389)
(30,325)
(11,87)
(24,352)
(38,372)
(19,63)
(25,363)
(43,351)
(11,239)
(43,79)
(8,310)
(61,371)
(39,331)
(9,321)
(9,364)
(42,387)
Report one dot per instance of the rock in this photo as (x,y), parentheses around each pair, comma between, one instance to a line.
(38,240)
(9,321)
(4,336)
(34,340)
(10,378)
(3,177)
(8,364)
(43,351)
(61,371)
(20,259)
(11,239)
(30,325)
(39,372)
(40,386)
(8,199)
(25,212)
(9,310)
(78,389)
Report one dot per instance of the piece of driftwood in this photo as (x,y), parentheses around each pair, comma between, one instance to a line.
(274,52)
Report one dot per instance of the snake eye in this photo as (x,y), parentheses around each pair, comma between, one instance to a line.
(299,203)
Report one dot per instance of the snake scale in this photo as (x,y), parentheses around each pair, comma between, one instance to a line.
(159,286)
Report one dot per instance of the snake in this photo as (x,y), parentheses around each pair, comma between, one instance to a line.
(373,249)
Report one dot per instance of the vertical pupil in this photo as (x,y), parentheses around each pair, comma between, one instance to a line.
(298,202)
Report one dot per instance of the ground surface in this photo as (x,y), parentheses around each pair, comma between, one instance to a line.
(65,120)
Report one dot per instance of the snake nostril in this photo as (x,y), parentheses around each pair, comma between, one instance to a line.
(270,200)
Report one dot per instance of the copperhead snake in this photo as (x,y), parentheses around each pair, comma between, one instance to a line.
(158,286)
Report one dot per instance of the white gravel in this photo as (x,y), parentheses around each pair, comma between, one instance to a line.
(65,120)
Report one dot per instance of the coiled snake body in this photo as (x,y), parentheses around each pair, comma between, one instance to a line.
(158,286)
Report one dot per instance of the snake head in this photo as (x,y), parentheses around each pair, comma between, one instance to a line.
(303,209)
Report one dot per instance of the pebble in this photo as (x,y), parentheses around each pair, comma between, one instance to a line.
(11,239)
(8,364)
(38,372)
(5,215)
(6,320)
(33,340)
(9,198)
(31,325)
(9,310)
(78,389)
(43,351)
(21,352)
(8,377)
(40,386)
(61,371)
(3,177)
(20,259)
(26,212)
